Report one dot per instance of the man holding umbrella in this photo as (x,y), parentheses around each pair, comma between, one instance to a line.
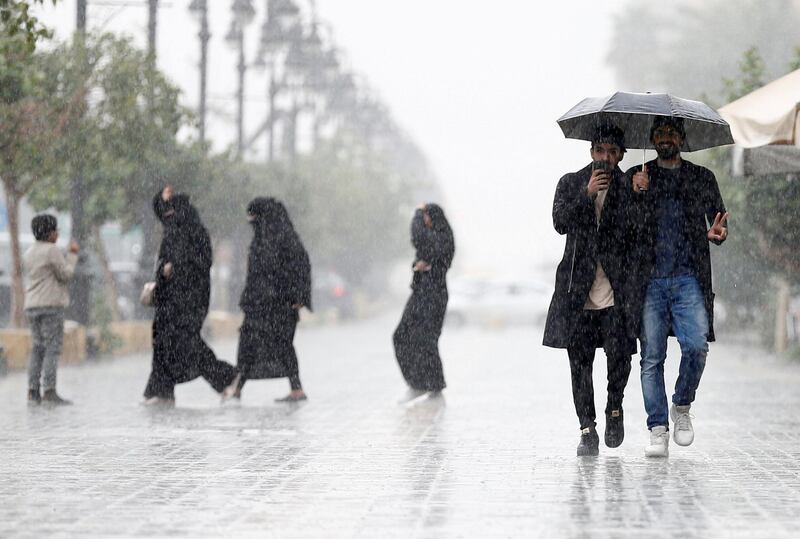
(587,311)
(673,209)
(676,210)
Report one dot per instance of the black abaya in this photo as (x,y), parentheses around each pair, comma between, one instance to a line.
(181,304)
(416,339)
(278,282)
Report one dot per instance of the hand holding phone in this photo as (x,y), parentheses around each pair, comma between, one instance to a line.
(600,178)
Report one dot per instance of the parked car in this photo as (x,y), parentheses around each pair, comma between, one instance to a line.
(498,302)
(331,293)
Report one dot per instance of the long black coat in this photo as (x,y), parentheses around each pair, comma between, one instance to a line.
(587,243)
(278,276)
(701,200)
(181,303)
(416,339)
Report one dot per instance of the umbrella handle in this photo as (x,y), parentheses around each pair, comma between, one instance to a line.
(644,158)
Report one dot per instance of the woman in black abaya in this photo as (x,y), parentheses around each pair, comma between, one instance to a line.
(278,285)
(181,297)
(416,339)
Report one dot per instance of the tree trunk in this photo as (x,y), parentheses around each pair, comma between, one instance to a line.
(17,287)
(112,292)
(148,255)
(782,297)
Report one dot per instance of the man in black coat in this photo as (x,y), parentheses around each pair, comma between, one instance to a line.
(181,300)
(588,306)
(676,210)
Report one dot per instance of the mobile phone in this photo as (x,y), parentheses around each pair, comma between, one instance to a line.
(605,166)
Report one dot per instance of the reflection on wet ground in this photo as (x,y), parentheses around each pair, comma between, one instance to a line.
(493,458)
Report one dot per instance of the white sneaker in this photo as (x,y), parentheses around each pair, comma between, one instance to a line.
(683,432)
(659,443)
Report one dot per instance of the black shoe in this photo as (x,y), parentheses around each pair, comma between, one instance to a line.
(615,428)
(290,398)
(34,397)
(590,443)
(51,397)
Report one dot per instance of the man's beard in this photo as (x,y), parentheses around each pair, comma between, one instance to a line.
(668,151)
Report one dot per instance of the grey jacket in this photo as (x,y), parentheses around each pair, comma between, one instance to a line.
(47,273)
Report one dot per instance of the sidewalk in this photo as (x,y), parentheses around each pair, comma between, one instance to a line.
(494,458)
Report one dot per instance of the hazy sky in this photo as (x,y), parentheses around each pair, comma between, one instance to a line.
(479,85)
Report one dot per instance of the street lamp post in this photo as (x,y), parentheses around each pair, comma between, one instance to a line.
(200,8)
(309,69)
(243,13)
(241,68)
(79,288)
(152,18)
(274,38)
(272,93)
(81,16)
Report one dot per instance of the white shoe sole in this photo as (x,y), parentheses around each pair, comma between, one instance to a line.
(656,454)
(672,414)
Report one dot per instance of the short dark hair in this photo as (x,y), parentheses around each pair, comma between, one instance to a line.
(42,225)
(609,134)
(671,121)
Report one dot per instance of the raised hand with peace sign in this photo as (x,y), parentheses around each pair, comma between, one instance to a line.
(719,230)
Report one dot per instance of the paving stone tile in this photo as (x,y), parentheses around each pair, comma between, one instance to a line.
(494,457)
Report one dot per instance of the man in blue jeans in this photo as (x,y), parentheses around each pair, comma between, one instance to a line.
(676,211)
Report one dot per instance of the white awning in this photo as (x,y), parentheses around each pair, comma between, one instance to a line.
(768,115)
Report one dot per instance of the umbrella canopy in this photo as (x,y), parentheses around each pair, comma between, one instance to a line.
(768,115)
(634,113)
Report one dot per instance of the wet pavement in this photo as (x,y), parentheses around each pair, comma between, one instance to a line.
(495,457)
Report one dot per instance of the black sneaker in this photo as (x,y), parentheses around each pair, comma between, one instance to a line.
(34,397)
(590,443)
(292,398)
(615,428)
(51,397)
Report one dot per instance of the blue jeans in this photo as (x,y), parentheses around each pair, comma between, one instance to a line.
(675,302)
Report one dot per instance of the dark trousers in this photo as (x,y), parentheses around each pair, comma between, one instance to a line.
(604,328)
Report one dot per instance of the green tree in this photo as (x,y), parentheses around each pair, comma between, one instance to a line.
(32,118)
(751,75)
(21,29)
(123,142)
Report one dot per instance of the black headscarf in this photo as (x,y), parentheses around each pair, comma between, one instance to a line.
(278,268)
(187,245)
(184,212)
(435,245)
(271,220)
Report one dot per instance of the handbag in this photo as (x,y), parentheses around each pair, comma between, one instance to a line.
(148,291)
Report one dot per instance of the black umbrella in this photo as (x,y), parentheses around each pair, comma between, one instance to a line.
(634,114)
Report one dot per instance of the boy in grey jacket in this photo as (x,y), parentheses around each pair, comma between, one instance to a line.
(48,274)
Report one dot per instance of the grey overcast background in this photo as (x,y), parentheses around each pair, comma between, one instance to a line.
(479,85)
